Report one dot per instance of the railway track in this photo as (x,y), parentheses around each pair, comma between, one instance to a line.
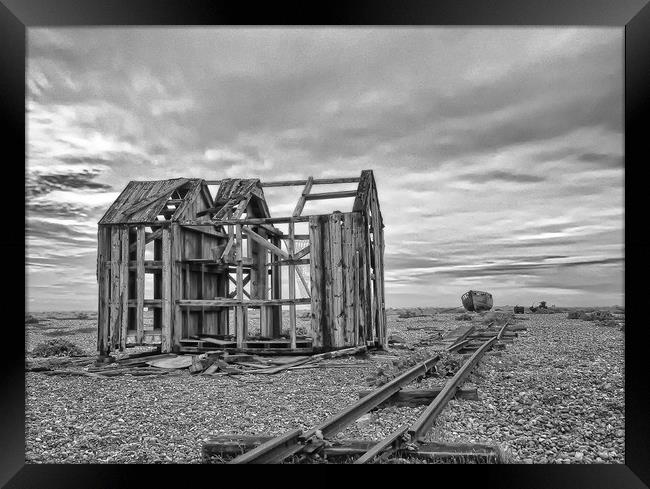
(408,438)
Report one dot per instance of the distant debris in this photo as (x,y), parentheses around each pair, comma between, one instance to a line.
(477,301)
(538,306)
(463,317)
(519,310)
(410,313)
(29,319)
(591,315)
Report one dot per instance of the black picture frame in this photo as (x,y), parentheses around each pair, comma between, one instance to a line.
(634,15)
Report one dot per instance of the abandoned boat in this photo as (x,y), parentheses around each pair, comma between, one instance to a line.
(477,301)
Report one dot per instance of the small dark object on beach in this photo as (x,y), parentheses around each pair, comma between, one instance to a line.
(519,310)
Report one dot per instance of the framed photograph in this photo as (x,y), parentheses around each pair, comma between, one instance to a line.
(377,235)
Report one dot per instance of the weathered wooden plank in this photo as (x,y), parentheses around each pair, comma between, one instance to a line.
(186,207)
(362,191)
(421,397)
(348,279)
(316,279)
(177,284)
(264,243)
(239,310)
(327,309)
(288,183)
(103,279)
(276,293)
(115,305)
(336,267)
(279,263)
(292,287)
(166,318)
(332,195)
(258,272)
(148,238)
(245,303)
(124,288)
(149,212)
(378,269)
(303,197)
(139,283)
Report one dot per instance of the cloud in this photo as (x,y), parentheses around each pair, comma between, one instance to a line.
(498,152)
(40,184)
(501,176)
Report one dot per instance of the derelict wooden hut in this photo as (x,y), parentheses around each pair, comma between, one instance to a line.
(202,263)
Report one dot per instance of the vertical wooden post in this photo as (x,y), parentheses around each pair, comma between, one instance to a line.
(316,279)
(115,306)
(239,310)
(157,284)
(357,306)
(166,338)
(124,288)
(187,294)
(177,285)
(103,279)
(327,310)
(276,292)
(348,279)
(139,281)
(338,314)
(292,285)
(378,268)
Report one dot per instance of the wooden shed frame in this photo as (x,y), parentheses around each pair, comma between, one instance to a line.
(199,246)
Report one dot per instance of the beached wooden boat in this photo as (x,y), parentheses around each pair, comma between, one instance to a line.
(476,300)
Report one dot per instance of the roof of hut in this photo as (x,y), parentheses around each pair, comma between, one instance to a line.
(156,200)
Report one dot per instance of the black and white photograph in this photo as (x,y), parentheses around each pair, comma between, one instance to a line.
(325,245)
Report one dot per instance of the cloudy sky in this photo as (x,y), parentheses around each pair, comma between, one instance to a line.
(498,152)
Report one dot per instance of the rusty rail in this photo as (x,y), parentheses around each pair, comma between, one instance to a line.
(277,449)
(421,426)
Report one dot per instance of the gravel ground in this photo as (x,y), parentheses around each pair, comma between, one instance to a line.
(554,396)
(555,393)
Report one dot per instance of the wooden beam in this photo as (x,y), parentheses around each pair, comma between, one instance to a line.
(248,221)
(166,334)
(420,397)
(303,197)
(332,195)
(301,253)
(336,266)
(297,236)
(263,242)
(246,279)
(115,306)
(239,311)
(177,284)
(302,278)
(148,238)
(208,231)
(234,293)
(148,264)
(275,313)
(124,287)
(303,261)
(292,288)
(288,183)
(139,284)
(235,302)
(103,277)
